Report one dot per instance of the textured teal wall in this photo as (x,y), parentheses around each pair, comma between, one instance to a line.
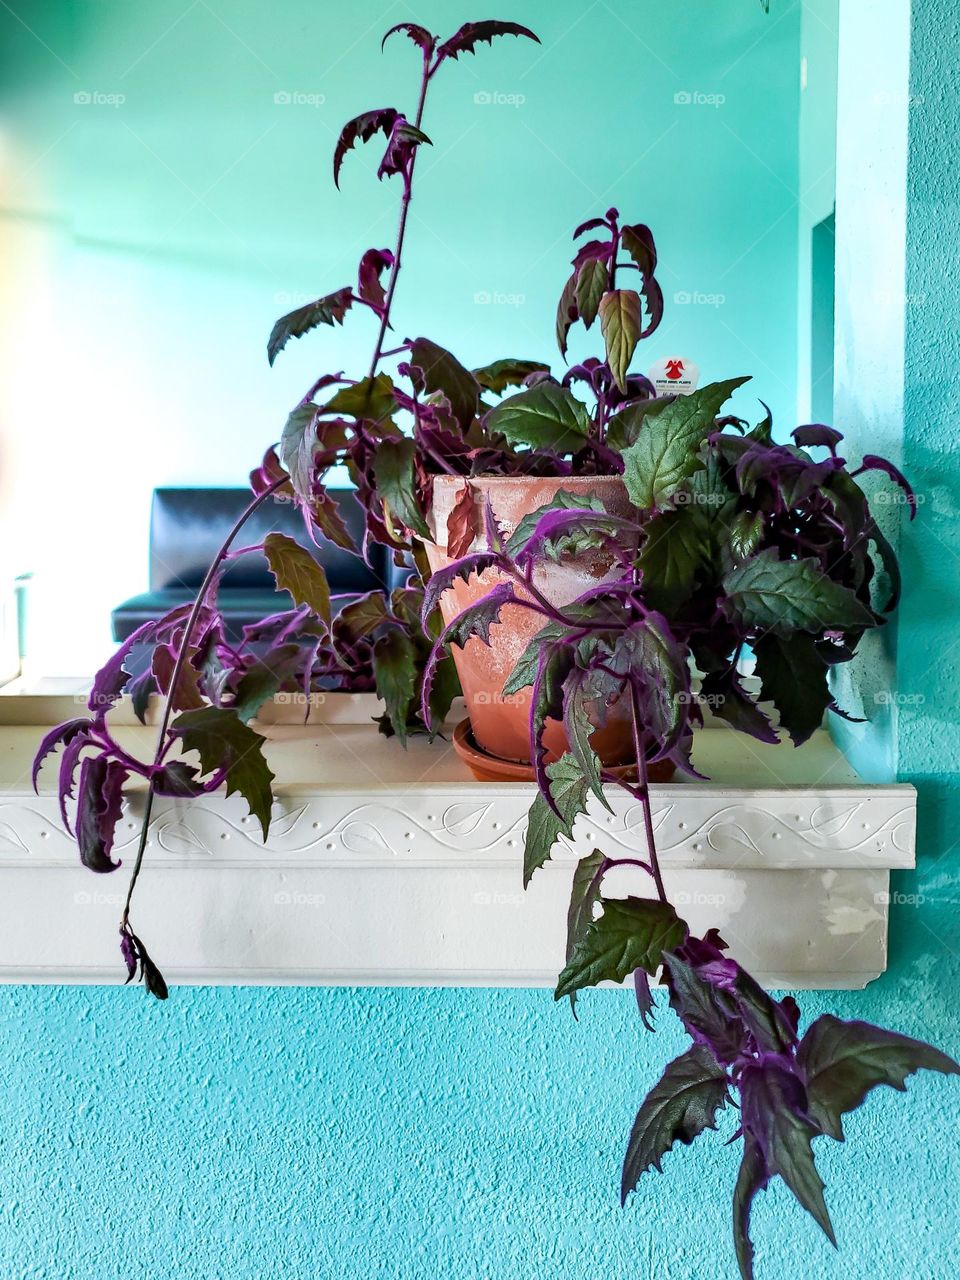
(476,1135)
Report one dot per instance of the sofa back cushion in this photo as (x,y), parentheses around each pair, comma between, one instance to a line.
(188,526)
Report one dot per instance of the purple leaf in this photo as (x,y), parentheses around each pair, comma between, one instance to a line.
(474,621)
(873,463)
(129,952)
(472,33)
(419,35)
(362,128)
(443,579)
(69,763)
(111,680)
(401,148)
(815,434)
(57,737)
(99,804)
(372,266)
(330,309)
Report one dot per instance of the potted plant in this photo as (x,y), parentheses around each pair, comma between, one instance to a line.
(611,557)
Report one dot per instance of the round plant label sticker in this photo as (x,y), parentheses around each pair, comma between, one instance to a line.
(674,376)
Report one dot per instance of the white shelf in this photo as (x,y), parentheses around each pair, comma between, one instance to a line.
(387,866)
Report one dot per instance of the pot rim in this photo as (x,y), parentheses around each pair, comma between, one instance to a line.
(498,480)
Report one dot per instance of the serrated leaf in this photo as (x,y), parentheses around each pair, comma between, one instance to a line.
(419,35)
(394,466)
(579,728)
(329,309)
(593,279)
(546,416)
(842,1061)
(296,570)
(665,451)
(632,933)
(793,676)
(263,678)
(544,824)
(785,596)
(222,740)
(566,312)
(584,895)
(683,1103)
(99,804)
(443,372)
(370,400)
(625,425)
(525,671)
(472,33)
(298,444)
(499,375)
(562,500)
(751,1179)
(362,616)
(637,239)
(675,549)
(745,533)
(620,325)
(774,1114)
(361,129)
(395,671)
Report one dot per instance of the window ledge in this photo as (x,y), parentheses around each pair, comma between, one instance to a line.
(394,867)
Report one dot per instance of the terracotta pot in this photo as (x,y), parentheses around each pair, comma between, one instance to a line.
(500,722)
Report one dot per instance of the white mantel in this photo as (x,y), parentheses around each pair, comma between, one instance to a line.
(387,866)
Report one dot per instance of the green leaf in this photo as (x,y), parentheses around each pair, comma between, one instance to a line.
(222,740)
(546,416)
(566,312)
(395,474)
(678,1108)
(373,401)
(395,671)
(298,443)
(638,242)
(296,570)
(443,372)
(544,827)
(784,596)
(842,1061)
(745,533)
(664,453)
(361,616)
(632,933)
(327,310)
(793,677)
(499,375)
(593,279)
(525,671)
(579,727)
(620,323)
(562,500)
(263,678)
(584,895)
(770,1097)
(443,690)
(751,1179)
(674,551)
(624,427)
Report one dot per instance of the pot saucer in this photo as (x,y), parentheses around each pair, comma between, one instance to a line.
(490,768)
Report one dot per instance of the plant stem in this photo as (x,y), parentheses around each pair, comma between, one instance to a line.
(643,794)
(175,678)
(401,229)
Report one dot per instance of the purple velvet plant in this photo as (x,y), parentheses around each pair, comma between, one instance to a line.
(736,545)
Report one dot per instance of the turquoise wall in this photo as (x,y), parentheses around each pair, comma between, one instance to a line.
(476,1135)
